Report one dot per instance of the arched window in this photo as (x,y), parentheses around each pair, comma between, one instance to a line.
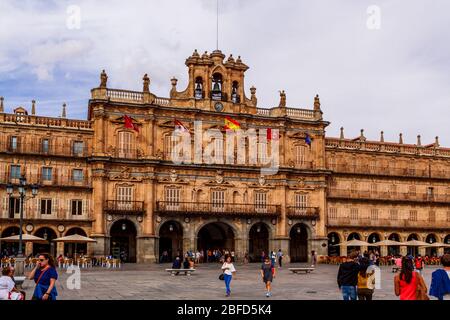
(216,93)
(234,92)
(198,91)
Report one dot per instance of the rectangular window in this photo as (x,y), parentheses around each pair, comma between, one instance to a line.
(77,207)
(332,213)
(262,153)
(125,144)
(172,196)
(430,193)
(47,174)
(77,175)
(393,214)
(300,155)
(354,214)
(373,188)
(45,145)
(13,143)
(218,199)
(15,172)
(413,215)
(260,201)
(14,207)
(374,214)
(78,148)
(301,201)
(169,146)
(124,198)
(46,206)
(432,216)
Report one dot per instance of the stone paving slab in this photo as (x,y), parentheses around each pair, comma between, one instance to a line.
(137,281)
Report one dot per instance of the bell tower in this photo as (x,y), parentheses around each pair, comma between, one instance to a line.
(215,84)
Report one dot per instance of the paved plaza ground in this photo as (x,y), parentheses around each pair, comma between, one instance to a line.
(138,281)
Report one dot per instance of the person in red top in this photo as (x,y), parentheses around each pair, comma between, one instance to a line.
(409,284)
(419,263)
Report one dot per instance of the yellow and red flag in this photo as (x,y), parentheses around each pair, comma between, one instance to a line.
(231,124)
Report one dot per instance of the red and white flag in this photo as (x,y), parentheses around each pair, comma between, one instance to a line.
(180,126)
(272,134)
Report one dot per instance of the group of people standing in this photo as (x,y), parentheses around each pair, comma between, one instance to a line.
(356,279)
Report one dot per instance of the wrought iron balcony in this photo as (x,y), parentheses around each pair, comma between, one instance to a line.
(124,207)
(209,208)
(35,146)
(402,223)
(388,196)
(303,212)
(53,180)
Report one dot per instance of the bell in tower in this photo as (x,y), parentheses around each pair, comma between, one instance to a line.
(234,94)
(216,93)
(198,93)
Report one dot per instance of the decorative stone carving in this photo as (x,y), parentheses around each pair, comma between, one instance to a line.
(173,175)
(219,177)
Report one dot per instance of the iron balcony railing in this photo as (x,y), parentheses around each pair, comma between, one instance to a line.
(124,207)
(303,212)
(35,146)
(384,195)
(210,208)
(54,179)
(387,223)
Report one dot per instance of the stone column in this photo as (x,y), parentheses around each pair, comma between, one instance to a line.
(28,248)
(383,251)
(403,250)
(101,247)
(59,248)
(343,250)
(283,244)
(145,247)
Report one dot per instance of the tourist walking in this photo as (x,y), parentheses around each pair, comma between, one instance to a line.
(45,276)
(419,263)
(280,257)
(409,285)
(366,281)
(228,271)
(273,258)
(267,274)
(347,277)
(440,280)
(313,258)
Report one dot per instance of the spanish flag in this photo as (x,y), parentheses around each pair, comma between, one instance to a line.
(231,124)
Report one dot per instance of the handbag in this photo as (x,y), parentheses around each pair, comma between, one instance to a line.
(222,277)
(421,291)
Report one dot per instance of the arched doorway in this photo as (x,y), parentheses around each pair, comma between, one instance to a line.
(412,250)
(10,248)
(49,246)
(353,236)
(431,238)
(123,240)
(258,241)
(170,241)
(373,237)
(447,241)
(70,248)
(298,243)
(215,235)
(394,250)
(333,249)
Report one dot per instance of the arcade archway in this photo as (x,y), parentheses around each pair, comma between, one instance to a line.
(10,248)
(258,241)
(70,248)
(49,246)
(412,250)
(298,243)
(123,240)
(353,236)
(215,235)
(333,249)
(373,237)
(170,241)
(431,238)
(394,250)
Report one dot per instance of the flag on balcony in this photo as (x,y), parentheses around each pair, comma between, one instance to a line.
(231,124)
(272,134)
(179,126)
(130,124)
(308,139)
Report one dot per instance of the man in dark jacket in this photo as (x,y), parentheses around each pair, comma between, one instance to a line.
(176,264)
(347,277)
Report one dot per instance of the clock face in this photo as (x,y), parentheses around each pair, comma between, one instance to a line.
(29,227)
(218,106)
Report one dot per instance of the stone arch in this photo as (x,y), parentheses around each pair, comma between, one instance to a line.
(123,241)
(216,235)
(299,235)
(170,242)
(10,248)
(48,233)
(259,235)
(334,238)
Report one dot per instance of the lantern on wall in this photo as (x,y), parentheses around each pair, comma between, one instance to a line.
(124,226)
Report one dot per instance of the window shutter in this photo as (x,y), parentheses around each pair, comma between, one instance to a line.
(69,209)
(5,207)
(85,206)
(54,206)
(38,206)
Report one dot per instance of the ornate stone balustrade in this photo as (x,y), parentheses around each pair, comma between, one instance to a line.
(44,121)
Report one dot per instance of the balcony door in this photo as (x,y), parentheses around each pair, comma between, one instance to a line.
(218,200)
(125,196)
(125,145)
(299,243)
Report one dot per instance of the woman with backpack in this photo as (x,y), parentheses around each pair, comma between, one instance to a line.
(409,285)
(366,281)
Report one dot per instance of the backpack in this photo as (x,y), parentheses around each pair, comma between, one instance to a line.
(419,263)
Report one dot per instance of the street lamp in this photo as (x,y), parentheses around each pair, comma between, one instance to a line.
(22,189)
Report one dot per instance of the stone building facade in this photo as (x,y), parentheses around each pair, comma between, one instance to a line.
(112,177)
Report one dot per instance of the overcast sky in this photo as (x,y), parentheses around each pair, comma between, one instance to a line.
(395,78)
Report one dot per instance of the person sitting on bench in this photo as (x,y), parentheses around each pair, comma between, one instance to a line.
(176,264)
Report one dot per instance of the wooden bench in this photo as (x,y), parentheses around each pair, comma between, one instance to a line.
(305,270)
(396,269)
(187,272)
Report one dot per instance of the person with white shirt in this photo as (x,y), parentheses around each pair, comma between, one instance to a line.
(228,271)
(7,286)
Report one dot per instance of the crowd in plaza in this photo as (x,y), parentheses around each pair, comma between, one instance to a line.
(357,278)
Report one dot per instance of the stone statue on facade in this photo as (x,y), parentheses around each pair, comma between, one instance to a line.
(146,83)
(282,99)
(103,79)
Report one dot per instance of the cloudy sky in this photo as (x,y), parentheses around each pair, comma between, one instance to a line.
(394,78)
